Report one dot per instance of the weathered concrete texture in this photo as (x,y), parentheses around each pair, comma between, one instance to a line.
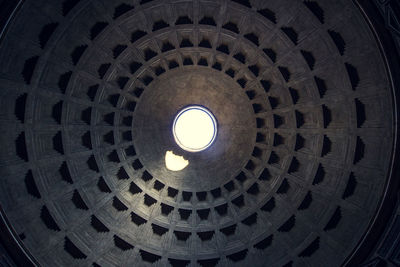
(89,90)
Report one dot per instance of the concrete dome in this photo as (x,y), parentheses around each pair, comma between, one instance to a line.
(301,165)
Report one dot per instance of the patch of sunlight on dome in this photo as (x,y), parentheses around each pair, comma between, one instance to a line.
(174,162)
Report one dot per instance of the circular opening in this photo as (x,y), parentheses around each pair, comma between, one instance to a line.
(195,128)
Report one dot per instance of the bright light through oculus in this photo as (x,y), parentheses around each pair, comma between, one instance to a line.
(194,129)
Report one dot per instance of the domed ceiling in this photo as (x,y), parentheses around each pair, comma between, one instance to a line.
(89,91)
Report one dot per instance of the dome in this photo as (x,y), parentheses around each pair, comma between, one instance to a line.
(293,168)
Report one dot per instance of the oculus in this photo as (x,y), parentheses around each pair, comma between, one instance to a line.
(194,128)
